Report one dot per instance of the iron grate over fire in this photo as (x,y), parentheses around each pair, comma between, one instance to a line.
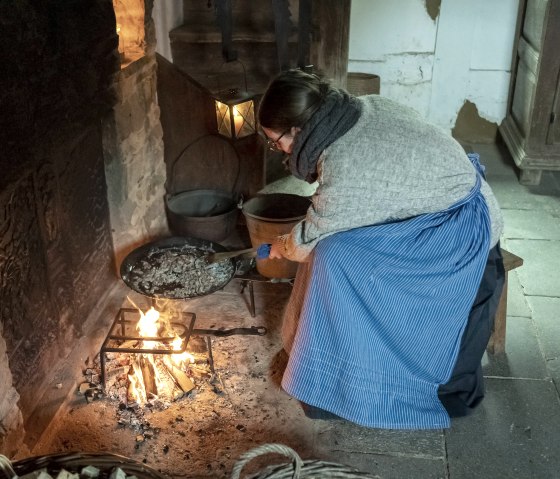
(154,357)
(151,348)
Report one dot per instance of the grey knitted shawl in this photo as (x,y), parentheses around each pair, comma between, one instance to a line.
(336,115)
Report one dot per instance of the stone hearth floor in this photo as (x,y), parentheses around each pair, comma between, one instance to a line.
(202,434)
(514,434)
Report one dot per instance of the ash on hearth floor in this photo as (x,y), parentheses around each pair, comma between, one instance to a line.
(204,432)
(120,389)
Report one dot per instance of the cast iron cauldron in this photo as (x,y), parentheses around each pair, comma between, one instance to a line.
(202,202)
(209,214)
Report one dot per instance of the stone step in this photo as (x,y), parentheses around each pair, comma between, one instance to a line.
(244,12)
(210,33)
(196,45)
(205,63)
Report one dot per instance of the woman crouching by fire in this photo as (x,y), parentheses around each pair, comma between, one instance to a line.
(400,268)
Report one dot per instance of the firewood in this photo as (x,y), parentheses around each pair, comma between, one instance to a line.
(149,376)
(131,393)
(90,472)
(117,473)
(181,379)
(40,474)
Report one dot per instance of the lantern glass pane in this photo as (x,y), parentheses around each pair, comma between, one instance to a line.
(223,118)
(244,119)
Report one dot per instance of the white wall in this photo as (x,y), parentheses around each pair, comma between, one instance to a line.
(167,14)
(435,66)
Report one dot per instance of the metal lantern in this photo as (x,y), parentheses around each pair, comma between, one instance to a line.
(235,108)
(235,113)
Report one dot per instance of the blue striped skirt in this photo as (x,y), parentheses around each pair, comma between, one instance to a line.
(382,313)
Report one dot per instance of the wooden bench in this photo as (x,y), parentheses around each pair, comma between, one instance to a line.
(497,343)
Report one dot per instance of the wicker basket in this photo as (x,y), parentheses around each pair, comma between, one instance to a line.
(74,462)
(297,469)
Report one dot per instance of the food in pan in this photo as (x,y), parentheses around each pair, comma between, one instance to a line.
(177,272)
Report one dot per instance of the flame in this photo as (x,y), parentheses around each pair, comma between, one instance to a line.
(181,359)
(237,119)
(153,325)
(148,326)
(136,385)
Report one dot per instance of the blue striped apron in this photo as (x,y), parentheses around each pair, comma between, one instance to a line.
(383,316)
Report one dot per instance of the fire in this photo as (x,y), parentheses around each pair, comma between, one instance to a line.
(121,38)
(136,389)
(181,359)
(148,326)
(145,378)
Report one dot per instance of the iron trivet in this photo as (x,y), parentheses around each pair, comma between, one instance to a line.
(120,336)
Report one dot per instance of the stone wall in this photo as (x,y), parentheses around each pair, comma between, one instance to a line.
(135,169)
(57,63)
(82,182)
(133,137)
(55,245)
(11,424)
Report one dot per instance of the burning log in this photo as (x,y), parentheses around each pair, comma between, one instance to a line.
(132,389)
(181,379)
(149,376)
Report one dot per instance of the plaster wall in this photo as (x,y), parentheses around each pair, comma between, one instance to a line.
(433,55)
(435,60)
(167,15)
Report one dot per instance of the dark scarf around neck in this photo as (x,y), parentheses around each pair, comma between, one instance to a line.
(336,115)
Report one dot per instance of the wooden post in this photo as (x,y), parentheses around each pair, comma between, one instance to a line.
(331,27)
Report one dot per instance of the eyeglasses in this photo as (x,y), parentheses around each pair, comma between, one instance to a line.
(273,144)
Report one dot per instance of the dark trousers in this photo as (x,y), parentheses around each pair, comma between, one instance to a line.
(465,390)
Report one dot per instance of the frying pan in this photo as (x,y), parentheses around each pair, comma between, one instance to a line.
(160,269)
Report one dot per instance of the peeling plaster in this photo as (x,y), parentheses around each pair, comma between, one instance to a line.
(432,7)
(470,126)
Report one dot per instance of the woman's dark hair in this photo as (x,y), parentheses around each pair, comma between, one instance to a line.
(291,99)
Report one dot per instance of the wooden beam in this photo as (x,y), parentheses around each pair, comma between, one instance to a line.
(331,28)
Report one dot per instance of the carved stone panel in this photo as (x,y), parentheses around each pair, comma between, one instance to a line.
(55,259)
(83,243)
(26,314)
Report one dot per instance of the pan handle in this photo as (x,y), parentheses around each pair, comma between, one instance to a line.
(252,331)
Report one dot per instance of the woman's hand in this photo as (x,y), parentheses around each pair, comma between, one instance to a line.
(277,249)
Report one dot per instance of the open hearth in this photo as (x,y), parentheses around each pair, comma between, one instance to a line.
(204,432)
(83,184)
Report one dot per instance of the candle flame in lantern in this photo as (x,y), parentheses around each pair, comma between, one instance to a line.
(237,120)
